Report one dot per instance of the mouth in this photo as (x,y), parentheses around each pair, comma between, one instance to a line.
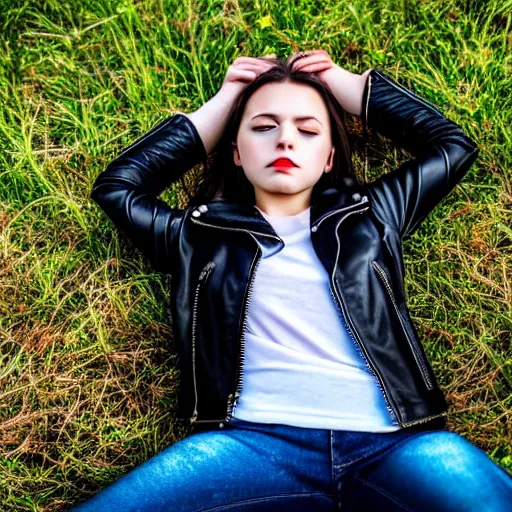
(283,164)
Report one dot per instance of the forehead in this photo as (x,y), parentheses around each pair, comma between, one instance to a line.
(286,100)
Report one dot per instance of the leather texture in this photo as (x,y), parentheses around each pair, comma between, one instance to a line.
(212,252)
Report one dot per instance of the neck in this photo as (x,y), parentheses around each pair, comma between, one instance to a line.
(282,205)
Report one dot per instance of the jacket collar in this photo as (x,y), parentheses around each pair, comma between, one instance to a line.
(228,215)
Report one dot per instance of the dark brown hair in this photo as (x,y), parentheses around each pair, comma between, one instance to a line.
(222,179)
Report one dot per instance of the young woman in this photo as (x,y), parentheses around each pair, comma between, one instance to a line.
(301,372)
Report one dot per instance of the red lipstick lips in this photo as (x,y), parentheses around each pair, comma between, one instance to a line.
(282,163)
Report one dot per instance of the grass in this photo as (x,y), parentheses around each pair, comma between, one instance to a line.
(88,375)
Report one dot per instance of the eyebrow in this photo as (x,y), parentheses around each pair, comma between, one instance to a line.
(300,118)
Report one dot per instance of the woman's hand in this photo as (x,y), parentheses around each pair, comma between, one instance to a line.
(312,61)
(241,73)
(211,118)
(347,87)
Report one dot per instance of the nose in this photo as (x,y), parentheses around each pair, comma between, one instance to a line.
(286,138)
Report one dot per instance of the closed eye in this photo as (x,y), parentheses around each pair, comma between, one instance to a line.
(261,128)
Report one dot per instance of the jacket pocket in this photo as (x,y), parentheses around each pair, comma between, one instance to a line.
(416,350)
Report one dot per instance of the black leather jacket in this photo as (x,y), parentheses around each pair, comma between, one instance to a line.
(213,252)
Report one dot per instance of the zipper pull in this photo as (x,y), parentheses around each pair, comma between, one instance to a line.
(206,270)
(194,417)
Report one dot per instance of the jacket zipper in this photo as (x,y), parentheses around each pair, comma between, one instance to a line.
(350,329)
(415,350)
(365,129)
(202,278)
(233,398)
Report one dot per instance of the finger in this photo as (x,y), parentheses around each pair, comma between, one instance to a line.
(311,58)
(249,67)
(308,61)
(314,67)
(258,67)
(256,62)
(243,75)
(315,55)
(315,52)
(308,53)
(296,56)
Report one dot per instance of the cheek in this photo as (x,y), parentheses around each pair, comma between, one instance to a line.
(254,154)
(256,147)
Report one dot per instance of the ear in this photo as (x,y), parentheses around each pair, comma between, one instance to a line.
(330,161)
(236,154)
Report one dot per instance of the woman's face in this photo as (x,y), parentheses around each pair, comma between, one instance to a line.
(261,139)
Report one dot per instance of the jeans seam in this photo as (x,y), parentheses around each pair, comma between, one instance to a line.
(262,498)
(385,493)
(350,462)
(333,473)
(391,448)
(366,454)
(379,453)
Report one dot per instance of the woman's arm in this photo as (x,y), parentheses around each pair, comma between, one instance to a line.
(127,190)
(210,119)
(443,153)
(347,87)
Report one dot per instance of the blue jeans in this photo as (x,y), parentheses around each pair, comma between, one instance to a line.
(251,466)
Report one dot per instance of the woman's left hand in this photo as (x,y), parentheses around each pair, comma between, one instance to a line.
(312,61)
(346,86)
(241,73)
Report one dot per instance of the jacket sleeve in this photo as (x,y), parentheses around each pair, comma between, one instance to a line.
(127,189)
(442,152)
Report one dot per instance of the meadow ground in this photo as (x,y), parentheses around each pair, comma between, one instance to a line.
(88,375)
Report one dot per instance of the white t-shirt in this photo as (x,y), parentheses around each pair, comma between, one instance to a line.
(301,366)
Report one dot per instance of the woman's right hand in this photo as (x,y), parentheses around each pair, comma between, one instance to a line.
(241,73)
(211,118)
